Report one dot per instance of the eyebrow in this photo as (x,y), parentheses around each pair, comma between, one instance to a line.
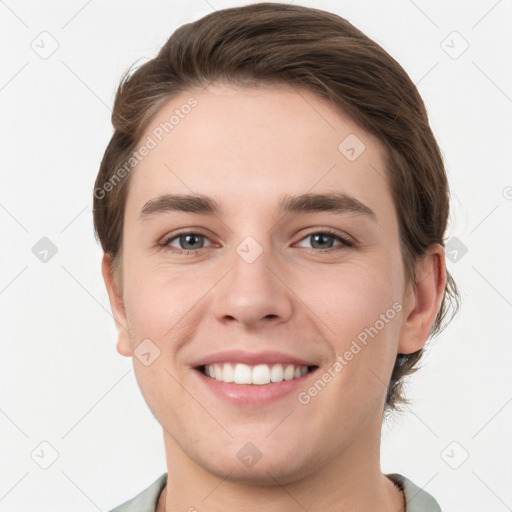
(309,202)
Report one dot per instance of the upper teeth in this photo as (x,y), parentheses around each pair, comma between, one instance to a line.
(260,374)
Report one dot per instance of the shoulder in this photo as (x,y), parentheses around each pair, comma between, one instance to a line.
(417,500)
(146,500)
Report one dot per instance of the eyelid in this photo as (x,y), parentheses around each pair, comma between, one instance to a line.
(165,241)
(345,240)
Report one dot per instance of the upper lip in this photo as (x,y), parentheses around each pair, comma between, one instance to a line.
(251,358)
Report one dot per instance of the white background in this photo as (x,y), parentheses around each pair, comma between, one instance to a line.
(62,380)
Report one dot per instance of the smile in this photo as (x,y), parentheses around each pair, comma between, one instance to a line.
(259,374)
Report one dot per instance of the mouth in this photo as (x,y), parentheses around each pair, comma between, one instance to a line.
(257,375)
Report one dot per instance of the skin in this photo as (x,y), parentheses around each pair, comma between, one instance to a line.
(245,147)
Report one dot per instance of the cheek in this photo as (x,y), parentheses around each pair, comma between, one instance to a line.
(152,293)
(166,304)
(156,307)
(160,307)
(354,297)
(361,313)
(363,316)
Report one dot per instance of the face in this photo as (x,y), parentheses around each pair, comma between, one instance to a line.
(283,265)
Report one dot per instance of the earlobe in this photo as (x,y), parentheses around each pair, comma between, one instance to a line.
(117,305)
(423,300)
(123,346)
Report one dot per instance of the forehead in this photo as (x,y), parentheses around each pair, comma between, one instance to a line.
(224,139)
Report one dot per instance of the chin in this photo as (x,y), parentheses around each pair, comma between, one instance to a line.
(267,471)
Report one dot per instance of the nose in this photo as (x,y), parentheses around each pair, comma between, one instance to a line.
(253,293)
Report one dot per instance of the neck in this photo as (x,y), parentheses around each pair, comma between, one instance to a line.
(349,480)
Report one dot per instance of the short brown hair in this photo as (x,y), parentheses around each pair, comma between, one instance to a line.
(312,50)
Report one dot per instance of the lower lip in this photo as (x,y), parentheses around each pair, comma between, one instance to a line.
(254,394)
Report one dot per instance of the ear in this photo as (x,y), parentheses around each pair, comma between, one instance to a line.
(423,299)
(117,305)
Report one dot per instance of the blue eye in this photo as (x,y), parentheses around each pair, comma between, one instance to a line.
(187,241)
(190,242)
(325,239)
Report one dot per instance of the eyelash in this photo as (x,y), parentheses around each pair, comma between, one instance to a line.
(345,242)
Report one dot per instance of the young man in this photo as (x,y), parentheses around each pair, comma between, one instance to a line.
(272,207)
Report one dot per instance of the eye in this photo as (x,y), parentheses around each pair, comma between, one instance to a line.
(188,241)
(325,240)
